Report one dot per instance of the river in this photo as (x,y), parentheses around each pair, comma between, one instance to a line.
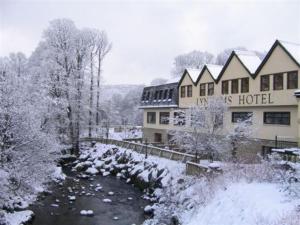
(126,207)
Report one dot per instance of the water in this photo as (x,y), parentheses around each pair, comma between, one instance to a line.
(68,213)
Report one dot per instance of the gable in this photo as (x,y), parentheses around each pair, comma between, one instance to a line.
(234,69)
(186,80)
(278,61)
(205,77)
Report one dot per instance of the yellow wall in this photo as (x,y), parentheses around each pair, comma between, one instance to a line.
(255,101)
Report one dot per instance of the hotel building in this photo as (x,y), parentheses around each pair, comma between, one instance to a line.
(267,90)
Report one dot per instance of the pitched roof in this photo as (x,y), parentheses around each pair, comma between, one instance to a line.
(247,60)
(214,70)
(291,49)
(192,73)
(250,60)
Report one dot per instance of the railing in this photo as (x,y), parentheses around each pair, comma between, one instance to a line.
(286,142)
(146,149)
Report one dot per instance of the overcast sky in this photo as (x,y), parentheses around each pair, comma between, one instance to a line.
(147,35)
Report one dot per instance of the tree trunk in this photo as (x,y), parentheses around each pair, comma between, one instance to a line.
(98,91)
(91,96)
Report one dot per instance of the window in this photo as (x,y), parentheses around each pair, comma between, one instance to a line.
(225,87)
(278,81)
(264,83)
(164,117)
(234,86)
(245,85)
(292,80)
(166,94)
(240,116)
(157,137)
(189,91)
(179,118)
(202,89)
(182,91)
(282,118)
(151,117)
(161,94)
(144,96)
(156,95)
(148,96)
(170,93)
(210,88)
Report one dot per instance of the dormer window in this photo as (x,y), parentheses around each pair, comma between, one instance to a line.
(166,94)
(156,95)
(160,94)
(170,93)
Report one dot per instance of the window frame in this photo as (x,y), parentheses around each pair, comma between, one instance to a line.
(277,123)
(243,118)
(261,82)
(189,90)
(210,90)
(170,94)
(237,86)
(148,116)
(275,85)
(182,116)
(165,94)
(288,79)
(182,91)
(243,85)
(164,121)
(227,87)
(202,89)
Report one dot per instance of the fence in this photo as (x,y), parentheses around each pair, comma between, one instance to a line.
(146,149)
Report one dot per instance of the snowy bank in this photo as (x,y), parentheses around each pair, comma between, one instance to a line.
(19,218)
(242,194)
(245,204)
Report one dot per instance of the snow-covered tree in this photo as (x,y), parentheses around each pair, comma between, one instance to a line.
(158,81)
(194,59)
(204,124)
(224,55)
(240,135)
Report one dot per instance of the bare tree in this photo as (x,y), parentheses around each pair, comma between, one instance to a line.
(203,127)
(103,47)
(194,59)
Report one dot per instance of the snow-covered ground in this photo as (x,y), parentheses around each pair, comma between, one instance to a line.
(249,195)
(126,133)
(18,218)
(245,204)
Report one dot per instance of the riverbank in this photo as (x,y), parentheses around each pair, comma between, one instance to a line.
(180,199)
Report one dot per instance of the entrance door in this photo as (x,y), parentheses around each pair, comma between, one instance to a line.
(157,137)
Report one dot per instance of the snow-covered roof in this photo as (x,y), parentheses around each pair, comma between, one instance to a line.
(194,73)
(292,48)
(249,59)
(173,80)
(214,70)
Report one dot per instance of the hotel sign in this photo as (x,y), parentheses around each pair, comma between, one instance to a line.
(244,99)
